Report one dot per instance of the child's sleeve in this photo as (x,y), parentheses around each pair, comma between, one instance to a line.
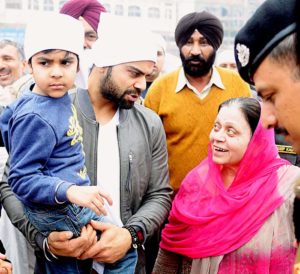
(32,141)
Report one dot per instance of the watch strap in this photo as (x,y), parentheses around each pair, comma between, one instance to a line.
(137,236)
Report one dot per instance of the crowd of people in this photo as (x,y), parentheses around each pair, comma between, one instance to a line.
(109,164)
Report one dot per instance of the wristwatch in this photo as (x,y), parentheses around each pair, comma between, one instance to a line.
(136,236)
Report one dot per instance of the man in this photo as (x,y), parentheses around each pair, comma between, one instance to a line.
(270,63)
(12,68)
(284,148)
(88,12)
(125,150)
(187,99)
(225,59)
(12,80)
(161,55)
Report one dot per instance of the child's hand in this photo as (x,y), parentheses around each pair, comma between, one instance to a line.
(89,196)
(5,267)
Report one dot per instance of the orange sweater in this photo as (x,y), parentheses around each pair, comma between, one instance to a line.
(188,120)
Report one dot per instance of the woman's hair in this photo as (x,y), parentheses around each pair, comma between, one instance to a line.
(250,107)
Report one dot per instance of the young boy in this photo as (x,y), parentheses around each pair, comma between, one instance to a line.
(44,139)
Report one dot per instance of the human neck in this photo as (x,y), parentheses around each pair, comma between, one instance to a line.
(103,108)
(199,82)
(228,173)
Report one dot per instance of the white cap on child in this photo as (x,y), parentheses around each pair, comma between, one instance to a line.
(122,41)
(53,31)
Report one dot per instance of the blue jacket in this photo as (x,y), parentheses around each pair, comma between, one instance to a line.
(44,140)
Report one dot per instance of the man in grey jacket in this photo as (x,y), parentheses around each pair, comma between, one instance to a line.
(125,150)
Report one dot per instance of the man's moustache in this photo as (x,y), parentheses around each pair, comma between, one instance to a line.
(195,58)
(134,92)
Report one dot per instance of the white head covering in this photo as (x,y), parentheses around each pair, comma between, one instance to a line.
(160,42)
(122,41)
(225,56)
(53,31)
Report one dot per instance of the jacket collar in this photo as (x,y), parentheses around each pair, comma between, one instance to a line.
(84,102)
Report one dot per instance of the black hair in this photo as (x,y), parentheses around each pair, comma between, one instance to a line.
(285,53)
(250,107)
(51,50)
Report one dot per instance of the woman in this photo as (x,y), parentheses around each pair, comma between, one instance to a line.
(233,213)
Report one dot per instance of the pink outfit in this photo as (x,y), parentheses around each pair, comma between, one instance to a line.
(209,220)
(271,250)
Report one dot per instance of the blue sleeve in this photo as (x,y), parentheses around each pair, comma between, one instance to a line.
(32,141)
(4,120)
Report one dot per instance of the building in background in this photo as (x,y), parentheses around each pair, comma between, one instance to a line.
(159,15)
(14,15)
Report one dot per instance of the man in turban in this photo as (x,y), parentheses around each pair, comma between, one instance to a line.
(89,13)
(187,99)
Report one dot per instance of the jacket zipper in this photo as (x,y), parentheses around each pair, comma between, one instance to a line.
(128,184)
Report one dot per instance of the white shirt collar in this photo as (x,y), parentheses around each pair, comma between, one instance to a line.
(214,80)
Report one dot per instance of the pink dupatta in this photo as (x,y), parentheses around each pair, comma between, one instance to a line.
(209,220)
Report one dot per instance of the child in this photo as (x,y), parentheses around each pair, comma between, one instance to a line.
(44,139)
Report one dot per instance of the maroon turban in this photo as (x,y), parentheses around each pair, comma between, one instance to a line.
(90,10)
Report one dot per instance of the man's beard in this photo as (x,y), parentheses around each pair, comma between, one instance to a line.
(198,70)
(110,91)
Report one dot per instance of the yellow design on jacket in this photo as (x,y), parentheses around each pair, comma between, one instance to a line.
(74,128)
(82,173)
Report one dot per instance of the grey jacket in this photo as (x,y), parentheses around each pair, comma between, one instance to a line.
(145,190)
(144,179)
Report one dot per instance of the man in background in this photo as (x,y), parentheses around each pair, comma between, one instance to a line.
(13,79)
(160,43)
(12,71)
(88,12)
(225,59)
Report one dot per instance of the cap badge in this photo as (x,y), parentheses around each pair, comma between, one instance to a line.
(243,54)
